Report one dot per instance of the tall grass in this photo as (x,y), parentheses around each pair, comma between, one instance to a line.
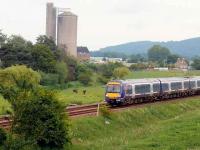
(164,126)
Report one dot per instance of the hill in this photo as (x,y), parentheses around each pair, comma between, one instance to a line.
(187,48)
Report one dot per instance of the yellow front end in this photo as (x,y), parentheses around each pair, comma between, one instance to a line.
(113,92)
(113,95)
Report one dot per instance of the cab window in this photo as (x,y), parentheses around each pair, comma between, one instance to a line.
(113,88)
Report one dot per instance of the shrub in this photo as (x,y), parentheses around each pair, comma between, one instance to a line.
(105,111)
(102,79)
(3,136)
(49,79)
(84,78)
(41,119)
(62,71)
(120,72)
(14,142)
(16,79)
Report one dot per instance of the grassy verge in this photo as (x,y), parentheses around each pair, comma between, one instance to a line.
(164,126)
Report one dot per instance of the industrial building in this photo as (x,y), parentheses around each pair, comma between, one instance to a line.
(61,26)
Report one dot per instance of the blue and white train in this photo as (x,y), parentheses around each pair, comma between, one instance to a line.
(152,89)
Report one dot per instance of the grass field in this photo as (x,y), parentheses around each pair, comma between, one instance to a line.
(156,74)
(93,94)
(171,126)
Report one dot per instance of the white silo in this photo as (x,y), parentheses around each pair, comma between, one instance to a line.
(51,21)
(67,32)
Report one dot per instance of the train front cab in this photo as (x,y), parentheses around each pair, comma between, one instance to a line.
(114,93)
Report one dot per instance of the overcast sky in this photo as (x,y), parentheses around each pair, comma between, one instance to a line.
(108,22)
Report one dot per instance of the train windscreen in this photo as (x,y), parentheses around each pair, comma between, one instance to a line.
(113,89)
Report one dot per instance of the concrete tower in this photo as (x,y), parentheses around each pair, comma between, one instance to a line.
(51,21)
(67,32)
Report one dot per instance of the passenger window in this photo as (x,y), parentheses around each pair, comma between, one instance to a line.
(156,87)
(176,85)
(186,85)
(142,89)
(165,87)
(198,83)
(192,84)
(129,89)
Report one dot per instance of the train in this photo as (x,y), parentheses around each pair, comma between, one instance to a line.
(130,91)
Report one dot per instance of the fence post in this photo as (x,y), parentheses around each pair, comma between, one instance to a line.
(98,109)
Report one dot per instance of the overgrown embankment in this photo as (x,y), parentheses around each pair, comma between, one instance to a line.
(173,125)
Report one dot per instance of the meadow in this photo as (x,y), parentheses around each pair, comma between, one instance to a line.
(169,126)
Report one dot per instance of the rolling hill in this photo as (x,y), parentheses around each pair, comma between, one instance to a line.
(187,48)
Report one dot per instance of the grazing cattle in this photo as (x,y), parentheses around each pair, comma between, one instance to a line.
(84,92)
(75,91)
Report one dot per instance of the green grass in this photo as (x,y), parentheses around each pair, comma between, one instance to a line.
(5,106)
(156,74)
(93,94)
(171,126)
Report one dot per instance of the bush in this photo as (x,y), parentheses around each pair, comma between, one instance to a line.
(16,79)
(14,142)
(84,78)
(105,111)
(120,72)
(3,136)
(41,119)
(49,79)
(102,79)
(62,71)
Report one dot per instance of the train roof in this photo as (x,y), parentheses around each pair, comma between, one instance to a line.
(168,79)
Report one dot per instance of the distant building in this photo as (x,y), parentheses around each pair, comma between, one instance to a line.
(181,64)
(83,53)
(61,26)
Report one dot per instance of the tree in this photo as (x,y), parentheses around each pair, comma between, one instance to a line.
(85,78)
(120,72)
(196,63)
(136,58)
(16,79)
(3,38)
(16,50)
(171,59)
(41,120)
(3,136)
(49,42)
(62,71)
(43,58)
(138,66)
(158,53)
(106,70)
(84,74)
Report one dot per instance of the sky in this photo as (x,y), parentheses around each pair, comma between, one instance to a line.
(103,23)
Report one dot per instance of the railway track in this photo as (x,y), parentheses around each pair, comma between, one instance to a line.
(73,111)
(92,110)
